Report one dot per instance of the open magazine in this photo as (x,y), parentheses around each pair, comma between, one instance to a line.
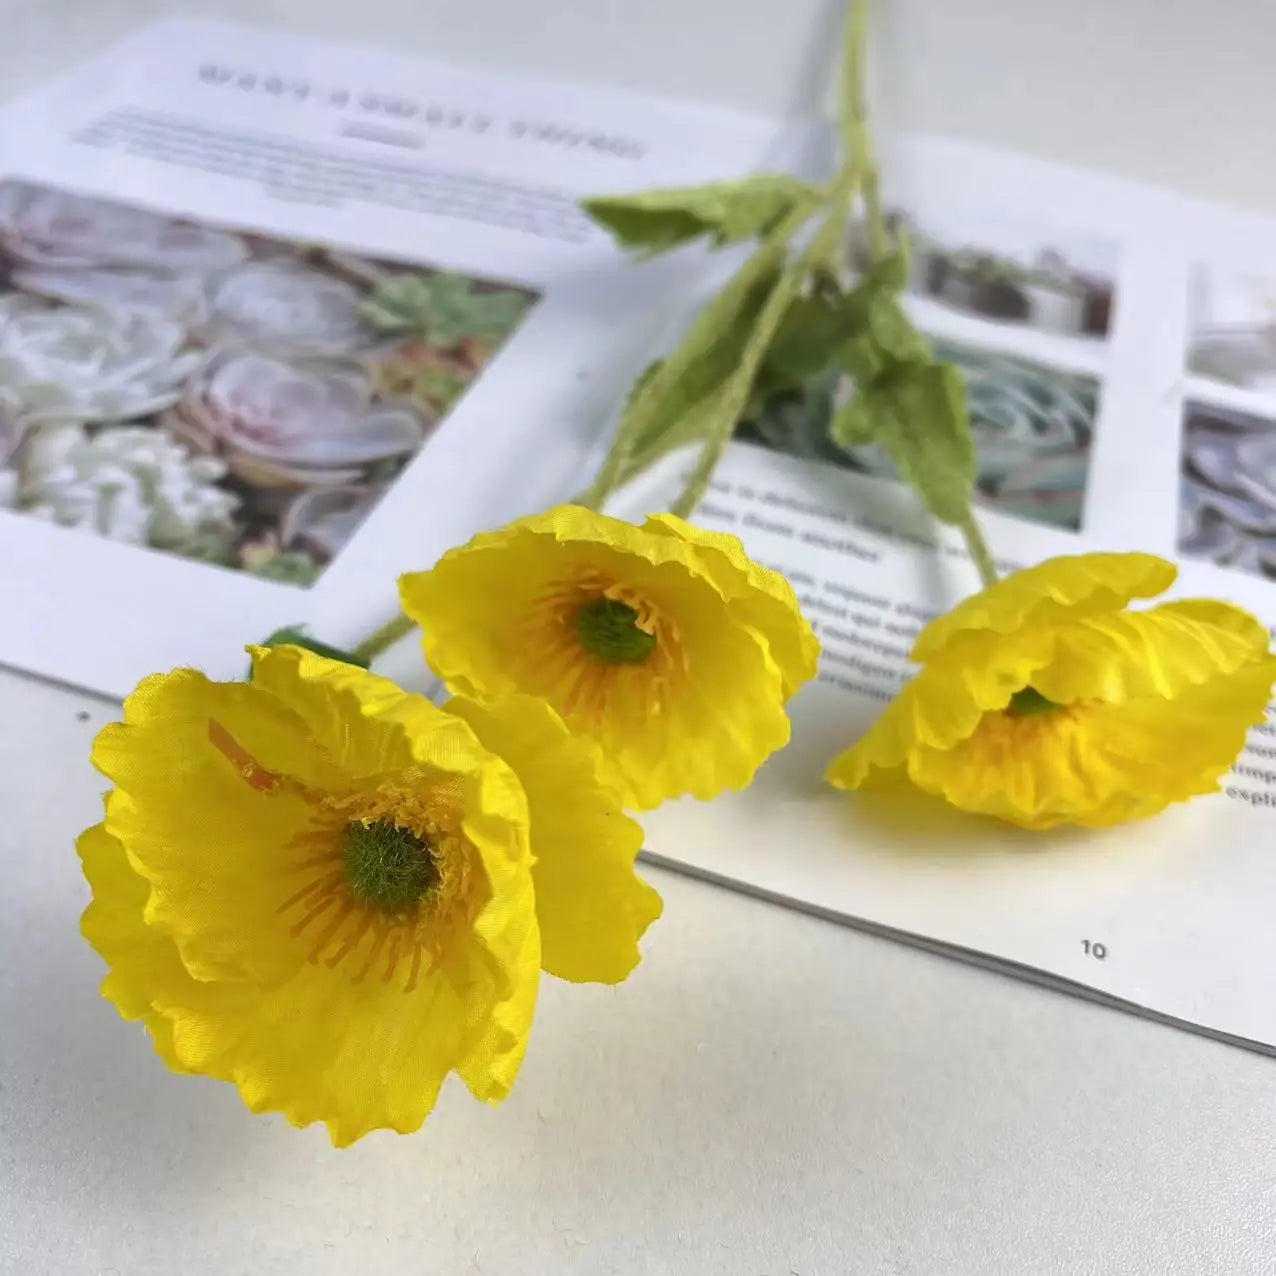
(281,319)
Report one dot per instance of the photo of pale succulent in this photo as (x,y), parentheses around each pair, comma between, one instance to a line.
(1227,488)
(81,363)
(182,299)
(71,247)
(1005,269)
(284,307)
(45,228)
(128,483)
(306,423)
(222,395)
(319,523)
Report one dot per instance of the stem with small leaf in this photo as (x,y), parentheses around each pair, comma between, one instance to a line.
(620,464)
(858,143)
(777,305)
(617,468)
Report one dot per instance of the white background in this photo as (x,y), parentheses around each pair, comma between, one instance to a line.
(768,1094)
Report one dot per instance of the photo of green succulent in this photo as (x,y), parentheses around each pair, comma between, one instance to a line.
(444,309)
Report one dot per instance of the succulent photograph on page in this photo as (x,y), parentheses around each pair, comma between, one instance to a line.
(220,395)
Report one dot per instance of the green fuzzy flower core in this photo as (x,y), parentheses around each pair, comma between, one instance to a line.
(1028,703)
(609,630)
(388,867)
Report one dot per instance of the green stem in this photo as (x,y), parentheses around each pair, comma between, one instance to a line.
(857,141)
(980,554)
(768,322)
(629,454)
(635,420)
(385,637)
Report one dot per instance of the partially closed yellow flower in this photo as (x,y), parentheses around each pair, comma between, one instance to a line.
(1044,701)
(665,644)
(332,893)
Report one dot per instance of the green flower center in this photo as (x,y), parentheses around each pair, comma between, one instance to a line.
(609,630)
(1028,703)
(388,867)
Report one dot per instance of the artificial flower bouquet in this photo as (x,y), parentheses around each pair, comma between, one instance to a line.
(332,893)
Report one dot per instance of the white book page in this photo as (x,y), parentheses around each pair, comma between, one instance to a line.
(238,200)
(1093,433)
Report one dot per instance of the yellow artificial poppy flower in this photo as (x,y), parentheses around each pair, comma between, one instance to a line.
(1044,701)
(665,644)
(332,893)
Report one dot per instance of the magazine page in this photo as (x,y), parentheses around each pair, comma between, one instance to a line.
(1119,347)
(280,319)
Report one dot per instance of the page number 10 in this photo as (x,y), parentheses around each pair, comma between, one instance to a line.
(1099,951)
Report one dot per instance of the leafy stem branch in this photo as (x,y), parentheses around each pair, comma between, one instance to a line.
(795,309)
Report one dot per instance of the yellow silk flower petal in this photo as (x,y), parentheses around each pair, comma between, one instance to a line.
(938,708)
(207,819)
(1059,589)
(762,597)
(720,716)
(1124,655)
(699,712)
(114,924)
(1104,763)
(591,905)
(367,725)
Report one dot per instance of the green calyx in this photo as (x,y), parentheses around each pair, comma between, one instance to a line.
(1028,703)
(609,631)
(388,867)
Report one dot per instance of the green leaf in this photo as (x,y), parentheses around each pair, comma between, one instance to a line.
(852,424)
(670,388)
(729,212)
(708,356)
(887,341)
(696,420)
(917,412)
(296,636)
(890,274)
(645,378)
(893,333)
(818,328)
(444,308)
(808,339)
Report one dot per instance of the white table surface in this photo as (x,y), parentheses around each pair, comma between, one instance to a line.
(769,1093)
